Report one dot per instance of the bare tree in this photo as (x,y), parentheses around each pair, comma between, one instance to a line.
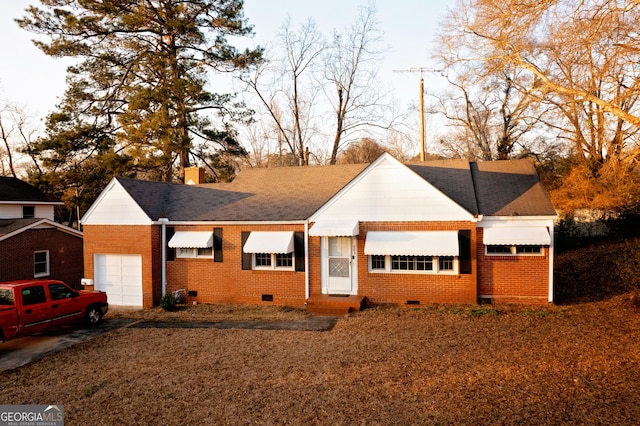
(356,95)
(17,134)
(283,86)
(305,66)
(583,58)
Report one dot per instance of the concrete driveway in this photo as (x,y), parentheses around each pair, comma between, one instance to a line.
(18,352)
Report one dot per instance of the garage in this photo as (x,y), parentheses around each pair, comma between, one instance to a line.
(120,276)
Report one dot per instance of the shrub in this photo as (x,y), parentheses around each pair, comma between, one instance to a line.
(168,302)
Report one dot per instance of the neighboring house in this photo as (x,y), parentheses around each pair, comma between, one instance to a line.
(32,245)
(448,231)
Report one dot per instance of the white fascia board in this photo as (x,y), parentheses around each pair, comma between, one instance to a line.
(34,203)
(43,224)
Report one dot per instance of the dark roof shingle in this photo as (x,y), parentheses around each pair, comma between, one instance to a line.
(502,188)
(13,189)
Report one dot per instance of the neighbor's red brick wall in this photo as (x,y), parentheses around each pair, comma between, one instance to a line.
(227,282)
(128,239)
(513,279)
(398,288)
(65,255)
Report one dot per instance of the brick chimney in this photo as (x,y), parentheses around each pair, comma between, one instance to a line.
(193,175)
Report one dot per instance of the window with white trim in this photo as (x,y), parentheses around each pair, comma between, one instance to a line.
(273,261)
(40,263)
(514,250)
(413,264)
(192,252)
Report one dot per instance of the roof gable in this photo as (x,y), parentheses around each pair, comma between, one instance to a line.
(11,227)
(116,206)
(390,191)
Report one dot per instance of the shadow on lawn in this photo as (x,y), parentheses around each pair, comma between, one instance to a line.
(597,272)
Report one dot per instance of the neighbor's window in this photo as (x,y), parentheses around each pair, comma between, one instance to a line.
(41,263)
(505,250)
(413,264)
(273,260)
(188,252)
(28,212)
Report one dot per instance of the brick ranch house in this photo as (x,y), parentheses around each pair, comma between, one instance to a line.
(32,244)
(449,231)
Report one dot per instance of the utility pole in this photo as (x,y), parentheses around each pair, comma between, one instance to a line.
(421,98)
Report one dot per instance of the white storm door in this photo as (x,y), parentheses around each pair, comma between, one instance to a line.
(120,276)
(339,265)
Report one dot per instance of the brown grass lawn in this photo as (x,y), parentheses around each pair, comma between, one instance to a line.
(577,364)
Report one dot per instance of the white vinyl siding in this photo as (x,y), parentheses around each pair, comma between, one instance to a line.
(389,191)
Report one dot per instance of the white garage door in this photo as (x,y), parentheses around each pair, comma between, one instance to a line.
(120,276)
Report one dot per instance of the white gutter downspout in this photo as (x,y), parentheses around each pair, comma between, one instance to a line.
(163,275)
(306,261)
(551,253)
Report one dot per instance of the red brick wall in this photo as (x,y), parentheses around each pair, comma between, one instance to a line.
(398,288)
(65,255)
(513,279)
(128,239)
(227,282)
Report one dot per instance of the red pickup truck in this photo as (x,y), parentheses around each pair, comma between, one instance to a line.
(32,306)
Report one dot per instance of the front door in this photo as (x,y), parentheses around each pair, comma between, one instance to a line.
(339,266)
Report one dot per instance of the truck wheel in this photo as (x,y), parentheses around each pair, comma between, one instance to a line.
(93,315)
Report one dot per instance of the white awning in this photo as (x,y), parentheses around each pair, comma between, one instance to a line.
(193,239)
(412,243)
(533,235)
(269,242)
(342,228)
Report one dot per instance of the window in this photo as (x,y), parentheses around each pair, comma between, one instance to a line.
(445,263)
(189,252)
(6,297)
(284,260)
(273,260)
(28,212)
(498,249)
(41,263)
(377,262)
(413,264)
(59,291)
(529,249)
(262,259)
(506,250)
(33,295)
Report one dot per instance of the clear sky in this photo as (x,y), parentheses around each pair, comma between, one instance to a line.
(30,78)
